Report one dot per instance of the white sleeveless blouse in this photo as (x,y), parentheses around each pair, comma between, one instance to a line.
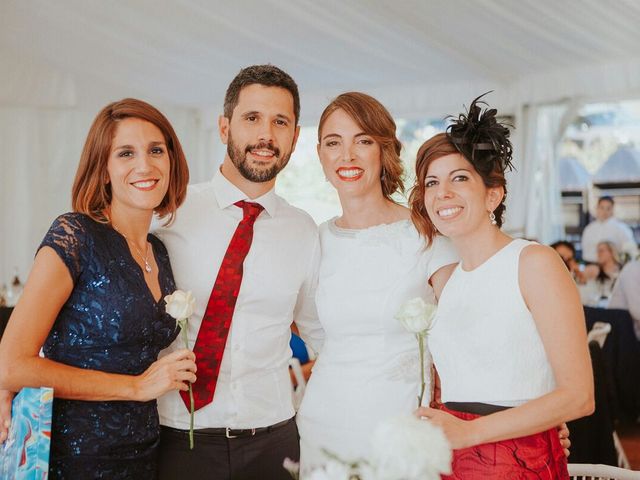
(484,341)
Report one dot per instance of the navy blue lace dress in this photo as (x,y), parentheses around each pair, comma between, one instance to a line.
(112,323)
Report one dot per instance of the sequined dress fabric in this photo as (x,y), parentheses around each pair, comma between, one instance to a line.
(111,323)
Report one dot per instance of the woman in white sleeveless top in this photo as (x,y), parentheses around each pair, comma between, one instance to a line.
(509,339)
(373,260)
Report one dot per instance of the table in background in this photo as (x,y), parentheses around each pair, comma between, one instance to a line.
(592,436)
(621,357)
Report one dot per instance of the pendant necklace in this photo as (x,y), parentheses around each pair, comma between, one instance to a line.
(145,258)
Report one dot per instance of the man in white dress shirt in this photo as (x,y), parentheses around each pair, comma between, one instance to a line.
(248,428)
(606,228)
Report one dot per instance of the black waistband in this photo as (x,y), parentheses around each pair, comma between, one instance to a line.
(475,408)
(230,432)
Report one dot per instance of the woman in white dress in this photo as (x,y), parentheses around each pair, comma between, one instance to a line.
(509,339)
(373,260)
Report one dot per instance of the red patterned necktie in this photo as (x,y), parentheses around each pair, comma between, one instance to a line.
(212,336)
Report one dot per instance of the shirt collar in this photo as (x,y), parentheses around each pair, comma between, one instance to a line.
(227,194)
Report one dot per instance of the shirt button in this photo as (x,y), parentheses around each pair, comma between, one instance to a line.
(236,347)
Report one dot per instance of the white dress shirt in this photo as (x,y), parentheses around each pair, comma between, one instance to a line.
(278,286)
(611,230)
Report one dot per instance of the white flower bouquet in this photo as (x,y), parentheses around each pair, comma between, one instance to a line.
(403,448)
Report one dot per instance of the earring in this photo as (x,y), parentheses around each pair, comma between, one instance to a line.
(492,218)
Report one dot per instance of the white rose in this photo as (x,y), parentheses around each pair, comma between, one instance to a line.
(407,448)
(180,305)
(416,315)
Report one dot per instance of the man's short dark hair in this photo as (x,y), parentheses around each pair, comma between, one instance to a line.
(606,198)
(266,75)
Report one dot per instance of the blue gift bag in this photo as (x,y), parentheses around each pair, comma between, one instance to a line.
(25,454)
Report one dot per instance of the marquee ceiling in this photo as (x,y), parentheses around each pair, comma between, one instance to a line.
(184,52)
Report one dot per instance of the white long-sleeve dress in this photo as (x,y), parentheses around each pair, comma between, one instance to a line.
(368,368)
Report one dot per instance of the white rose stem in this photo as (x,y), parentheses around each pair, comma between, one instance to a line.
(183,329)
(420,337)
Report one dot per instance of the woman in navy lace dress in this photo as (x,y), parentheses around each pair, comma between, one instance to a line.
(94,302)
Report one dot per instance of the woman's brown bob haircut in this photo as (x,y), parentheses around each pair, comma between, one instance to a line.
(376,121)
(91,192)
(437,147)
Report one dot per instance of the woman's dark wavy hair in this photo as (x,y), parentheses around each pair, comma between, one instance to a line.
(482,141)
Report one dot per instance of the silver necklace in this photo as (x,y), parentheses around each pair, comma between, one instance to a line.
(145,258)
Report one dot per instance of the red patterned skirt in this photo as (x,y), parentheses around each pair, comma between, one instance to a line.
(534,457)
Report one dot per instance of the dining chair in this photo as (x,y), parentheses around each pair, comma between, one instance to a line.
(586,471)
(598,333)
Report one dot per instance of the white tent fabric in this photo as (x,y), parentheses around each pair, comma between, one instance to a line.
(574,177)
(40,152)
(62,61)
(539,188)
(623,166)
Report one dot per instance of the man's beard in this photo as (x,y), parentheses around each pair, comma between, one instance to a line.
(251,173)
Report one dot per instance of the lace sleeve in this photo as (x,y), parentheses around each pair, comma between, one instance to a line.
(66,237)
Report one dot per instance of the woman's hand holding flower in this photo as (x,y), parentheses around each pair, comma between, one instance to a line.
(460,433)
(171,372)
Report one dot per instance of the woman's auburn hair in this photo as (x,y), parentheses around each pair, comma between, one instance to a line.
(436,147)
(91,191)
(376,121)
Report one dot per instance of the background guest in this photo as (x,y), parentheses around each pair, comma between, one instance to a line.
(607,228)
(626,292)
(567,252)
(600,278)
(300,351)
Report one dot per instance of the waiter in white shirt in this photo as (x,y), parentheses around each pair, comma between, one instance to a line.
(606,228)
(251,261)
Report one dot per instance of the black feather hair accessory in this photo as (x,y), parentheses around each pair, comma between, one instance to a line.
(481,139)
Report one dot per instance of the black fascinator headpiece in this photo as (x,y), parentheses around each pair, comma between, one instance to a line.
(481,139)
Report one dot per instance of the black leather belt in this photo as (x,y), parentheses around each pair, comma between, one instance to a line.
(231,432)
(475,408)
